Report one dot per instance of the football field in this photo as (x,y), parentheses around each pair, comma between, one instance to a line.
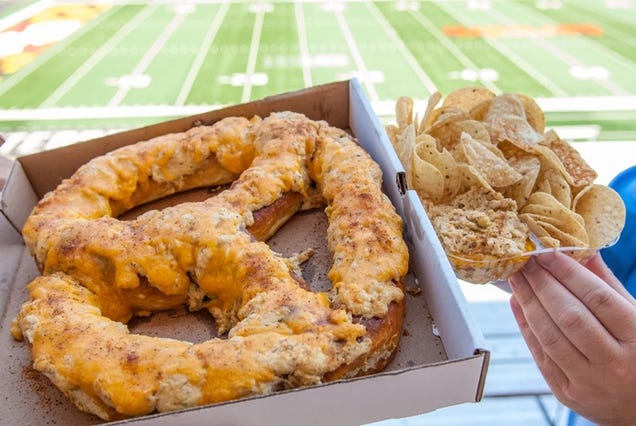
(123,64)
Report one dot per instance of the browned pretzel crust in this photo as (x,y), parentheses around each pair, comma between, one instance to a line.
(99,271)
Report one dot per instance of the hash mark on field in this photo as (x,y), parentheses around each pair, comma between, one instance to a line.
(150,55)
(100,54)
(209,37)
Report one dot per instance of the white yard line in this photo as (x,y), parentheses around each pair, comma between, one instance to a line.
(305,58)
(511,55)
(24,14)
(253,54)
(431,27)
(97,57)
(563,56)
(401,47)
(150,55)
(208,39)
(357,56)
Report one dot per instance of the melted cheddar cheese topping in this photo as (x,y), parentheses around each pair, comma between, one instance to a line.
(100,271)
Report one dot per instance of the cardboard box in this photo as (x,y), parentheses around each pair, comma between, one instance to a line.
(442,359)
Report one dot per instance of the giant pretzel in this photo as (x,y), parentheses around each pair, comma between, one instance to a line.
(99,271)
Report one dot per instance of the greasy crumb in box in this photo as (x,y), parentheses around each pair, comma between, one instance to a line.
(414,290)
(38,382)
(41,386)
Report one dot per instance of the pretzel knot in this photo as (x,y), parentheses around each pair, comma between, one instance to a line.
(99,271)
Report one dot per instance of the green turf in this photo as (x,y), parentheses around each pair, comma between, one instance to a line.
(394,48)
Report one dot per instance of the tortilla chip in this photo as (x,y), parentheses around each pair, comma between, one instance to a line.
(534,113)
(581,172)
(496,171)
(528,167)
(543,209)
(429,116)
(405,145)
(392,131)
(404,112)
(466,98)
(505,104)
(603,211)
(513,128)
(443,161)
(425,179)
(448,133)
(553,182)
(479,111)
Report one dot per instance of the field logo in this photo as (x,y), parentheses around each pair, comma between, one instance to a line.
(25,41)
(522,30)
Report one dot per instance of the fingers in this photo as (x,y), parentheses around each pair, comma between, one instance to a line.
(569,316)
(553,374)
(598,267)
(609,308)
(540,328)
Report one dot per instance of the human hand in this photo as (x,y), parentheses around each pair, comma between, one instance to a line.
(580,326)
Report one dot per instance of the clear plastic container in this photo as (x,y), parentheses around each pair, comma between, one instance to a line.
(482,271)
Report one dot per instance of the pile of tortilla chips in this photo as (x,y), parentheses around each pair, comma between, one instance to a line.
(499,145)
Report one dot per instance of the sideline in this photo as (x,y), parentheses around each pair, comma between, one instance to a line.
(381,108)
